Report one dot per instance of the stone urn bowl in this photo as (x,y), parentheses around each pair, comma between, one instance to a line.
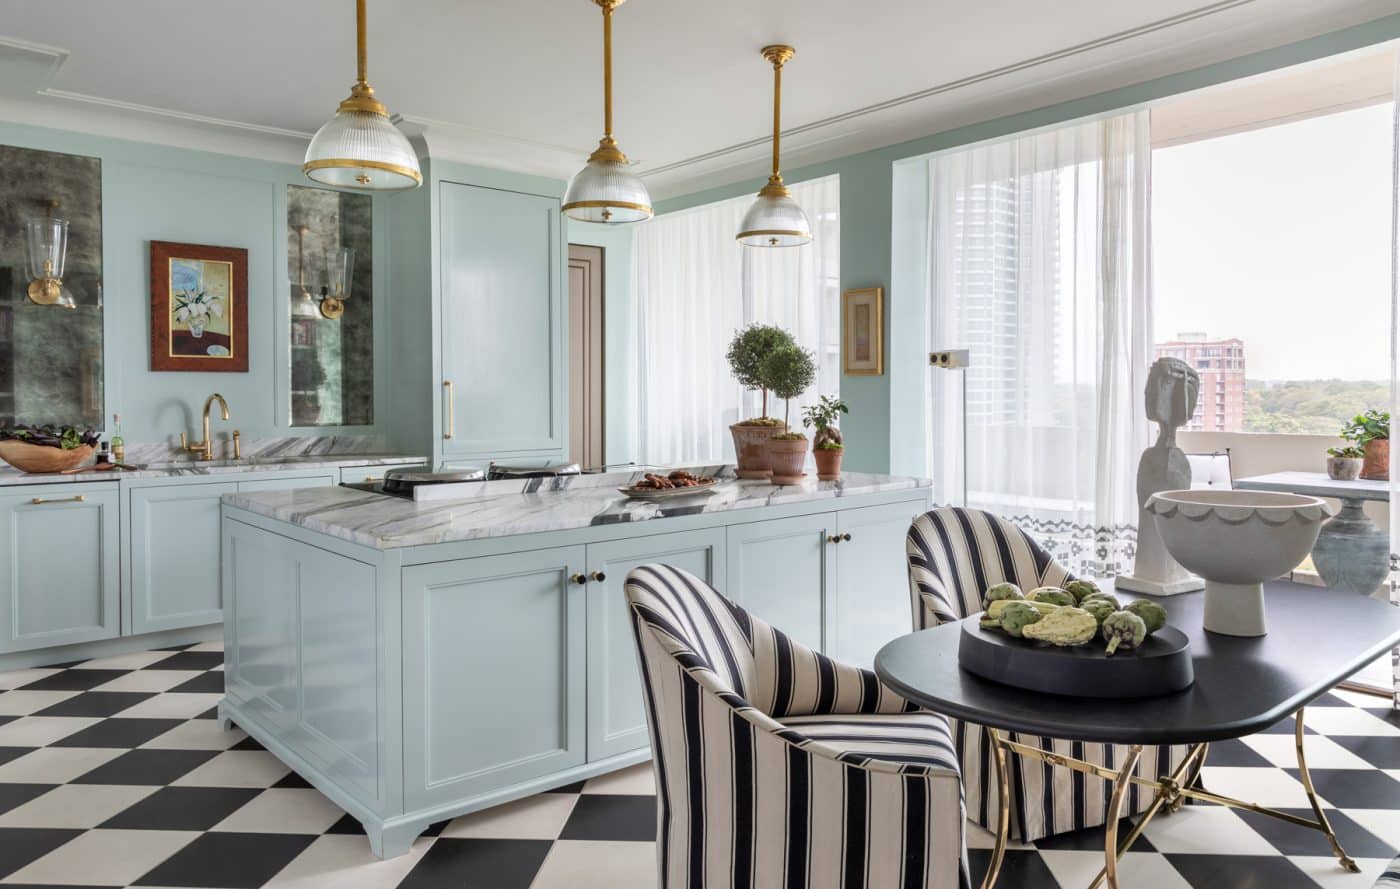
(1236,540)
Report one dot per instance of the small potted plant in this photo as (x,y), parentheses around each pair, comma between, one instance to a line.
(788,371)
(1344,463)
(827,445)
(746,354)
(1371,432)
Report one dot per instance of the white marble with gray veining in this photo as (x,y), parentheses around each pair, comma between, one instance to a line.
(383,522)
(186,468)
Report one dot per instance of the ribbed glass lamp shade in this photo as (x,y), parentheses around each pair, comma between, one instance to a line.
(362,149)
(774,220)
(607,191)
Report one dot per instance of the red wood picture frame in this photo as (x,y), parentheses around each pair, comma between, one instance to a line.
(199,308)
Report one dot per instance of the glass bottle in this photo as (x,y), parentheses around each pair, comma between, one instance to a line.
(118,446)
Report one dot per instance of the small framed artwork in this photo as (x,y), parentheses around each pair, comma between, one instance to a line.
(304,332)
(863,331)
(199,307)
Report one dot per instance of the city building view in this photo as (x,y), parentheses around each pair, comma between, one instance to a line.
(1220,363)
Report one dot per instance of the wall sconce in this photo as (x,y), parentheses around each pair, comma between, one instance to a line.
(341,271)
(47,239)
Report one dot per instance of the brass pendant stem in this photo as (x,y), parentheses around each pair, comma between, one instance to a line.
(607,71)
(779,56)
(361,54)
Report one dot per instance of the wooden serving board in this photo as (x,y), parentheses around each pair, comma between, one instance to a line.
(1162,665)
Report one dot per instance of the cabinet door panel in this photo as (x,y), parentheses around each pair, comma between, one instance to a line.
(617,719)
(494,672)
(286,484)
(260,623)
(502,321)
(778,570)
(174,538)
(59,580)
(869,602)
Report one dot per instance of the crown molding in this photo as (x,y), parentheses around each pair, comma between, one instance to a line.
(183,116)
(447,140)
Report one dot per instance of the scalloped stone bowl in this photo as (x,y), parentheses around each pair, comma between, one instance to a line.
(1236,540)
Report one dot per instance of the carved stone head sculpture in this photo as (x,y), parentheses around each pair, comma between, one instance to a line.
(1172,386)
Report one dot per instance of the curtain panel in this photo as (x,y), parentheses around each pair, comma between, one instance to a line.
(1038,262)
(695,286)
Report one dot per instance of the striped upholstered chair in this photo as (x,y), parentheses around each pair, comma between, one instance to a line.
(1391,878)
(779,767)
(954,556)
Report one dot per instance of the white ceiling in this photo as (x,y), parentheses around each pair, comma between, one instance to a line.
(517,84)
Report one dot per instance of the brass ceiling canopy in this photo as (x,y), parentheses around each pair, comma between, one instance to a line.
(775,219)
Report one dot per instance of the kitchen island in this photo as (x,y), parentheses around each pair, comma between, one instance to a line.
(418,660)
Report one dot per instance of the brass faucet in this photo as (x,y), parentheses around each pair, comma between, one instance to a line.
(205,448)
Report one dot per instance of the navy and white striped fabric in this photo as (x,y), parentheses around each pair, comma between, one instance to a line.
(954,556)
(1391,878)
(779,768)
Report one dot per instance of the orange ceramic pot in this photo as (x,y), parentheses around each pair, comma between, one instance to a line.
(787,456)
(1377,464)
(751,448)
(828,463)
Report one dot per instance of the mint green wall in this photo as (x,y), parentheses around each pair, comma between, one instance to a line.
(885,429)
(152,192)
(619,335)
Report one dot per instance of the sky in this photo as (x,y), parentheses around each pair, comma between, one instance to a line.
(1281,237)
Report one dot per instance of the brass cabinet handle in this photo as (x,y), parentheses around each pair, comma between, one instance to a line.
(451,410)
(370,478)
(578,579)
(846,537)
(598,576)
(41,501)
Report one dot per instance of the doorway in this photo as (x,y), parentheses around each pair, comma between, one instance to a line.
(586,355)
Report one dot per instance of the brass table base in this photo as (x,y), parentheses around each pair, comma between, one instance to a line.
(1172,792)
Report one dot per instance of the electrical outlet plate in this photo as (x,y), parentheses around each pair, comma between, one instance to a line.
(949,359)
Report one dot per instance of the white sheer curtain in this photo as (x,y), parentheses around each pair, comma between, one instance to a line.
(1395,368)
(1038,263)
(695,286)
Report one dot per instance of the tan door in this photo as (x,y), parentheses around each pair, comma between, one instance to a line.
(586,355)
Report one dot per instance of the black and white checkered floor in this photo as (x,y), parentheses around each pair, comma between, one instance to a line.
(115,773)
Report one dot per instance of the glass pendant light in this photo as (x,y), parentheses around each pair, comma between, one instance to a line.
(360,147)
(605,190)
(775,219)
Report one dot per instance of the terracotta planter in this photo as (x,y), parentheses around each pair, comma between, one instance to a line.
(1377,465)
(751,449)
(1343,469)
(828,463)
(787,457)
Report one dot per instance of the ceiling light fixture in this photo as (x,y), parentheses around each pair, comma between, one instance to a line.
(605,190)
(360,147)
(775,219)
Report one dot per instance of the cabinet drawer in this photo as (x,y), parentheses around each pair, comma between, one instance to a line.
(286,484)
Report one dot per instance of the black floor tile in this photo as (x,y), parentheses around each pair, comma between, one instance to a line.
(96,703)
(1290,839)
(1235,753)
(1023,870)
(291,779)
(1091,839)
(1285,727)
(602,816)
(74,680)
(182,808)
(1355,788)
(228,861)
(9,753)
(12,795)
(346,824)
(189,660)
(211,682)
(211,713)
(248,744)
(1241,872)
(147,768)
(21,845)
(119,733)
(1328,700)
(5,719)
(576,787)
(478,864)
(1383,753)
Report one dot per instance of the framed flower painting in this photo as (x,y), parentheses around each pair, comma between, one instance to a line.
(199,307)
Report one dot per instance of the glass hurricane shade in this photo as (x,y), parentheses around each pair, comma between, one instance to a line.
(364,150)
(774,220)
(341,272)
(47,240)
(606,191)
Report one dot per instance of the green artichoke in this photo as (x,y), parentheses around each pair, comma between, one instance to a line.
(1081,589)
(1016,616)
(1152,614)
(1098,608)
(1001,591)
(1064,627)
(1052,594)
(1107,597)
(1123,629)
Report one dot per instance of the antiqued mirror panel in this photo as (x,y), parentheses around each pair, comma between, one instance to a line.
(50,288)
(330,259)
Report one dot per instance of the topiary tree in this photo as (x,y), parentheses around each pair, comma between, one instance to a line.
(788,371)
(746,355)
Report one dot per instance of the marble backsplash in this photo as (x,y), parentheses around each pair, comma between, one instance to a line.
(264,448)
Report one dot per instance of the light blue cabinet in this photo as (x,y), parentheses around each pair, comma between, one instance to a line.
(501,324)
(779,571)
(289,482)
(59,574)
(616,715)
(869,604)
(494,669)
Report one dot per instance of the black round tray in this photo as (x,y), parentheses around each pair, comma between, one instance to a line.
(1161,666)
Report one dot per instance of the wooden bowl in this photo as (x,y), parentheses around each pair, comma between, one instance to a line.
(41,458)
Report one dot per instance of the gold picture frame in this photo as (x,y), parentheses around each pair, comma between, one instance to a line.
(863,332)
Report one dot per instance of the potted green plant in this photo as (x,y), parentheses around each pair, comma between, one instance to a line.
(1344,463)
(1371,432)
(746,355)
(827,445)
(788,371)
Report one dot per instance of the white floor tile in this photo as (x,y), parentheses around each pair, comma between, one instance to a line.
(236,768)
(196,734)
(16,678)
(135,660)
(1342,721)
(211,645)
(1384,823)
(104,857)
(171,706)
(75,805)
(345,862)
(284,810)
(1265,786)
(1360,699)
(22,703)
(1322,753)
(37,731)
(1206,830)
(541,817)
(1072,868)
(580,865)
(55,765)
(1329,875)
(637,779)
(148,680)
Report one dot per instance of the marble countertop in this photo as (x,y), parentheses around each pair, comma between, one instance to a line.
(188,468)
(384,522)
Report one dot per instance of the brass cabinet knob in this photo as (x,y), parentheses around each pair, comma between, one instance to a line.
(832,538)
(599,576)
(578,579)
(845,537)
